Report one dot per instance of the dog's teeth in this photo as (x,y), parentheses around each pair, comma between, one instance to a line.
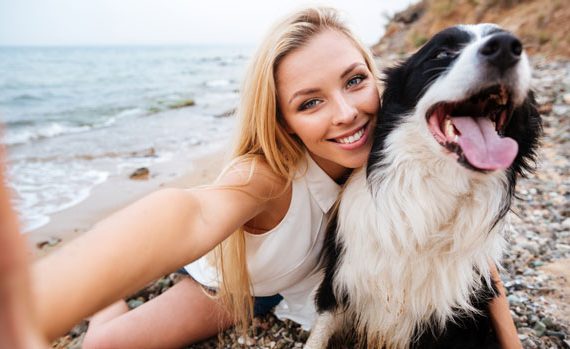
(503,96)
(449,130)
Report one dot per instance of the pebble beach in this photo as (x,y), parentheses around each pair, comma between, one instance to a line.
(536,264)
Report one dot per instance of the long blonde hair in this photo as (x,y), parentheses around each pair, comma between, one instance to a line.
(262,134)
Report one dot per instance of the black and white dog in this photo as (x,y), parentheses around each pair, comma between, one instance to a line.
(408,255)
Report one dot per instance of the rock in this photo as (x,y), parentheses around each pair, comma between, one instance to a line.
(411,14)
(563,247)
(513,299)
(537,263)
(182,104)
(78,329)
(227,113)
(142,173)
(545,108)
(561,109)
(566,223)
(531,247)
(133,303)
(548,322)
(246,341)
(566,98)
(539,329)
(52,241)
(557,334)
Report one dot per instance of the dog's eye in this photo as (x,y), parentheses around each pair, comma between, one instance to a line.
(443,54)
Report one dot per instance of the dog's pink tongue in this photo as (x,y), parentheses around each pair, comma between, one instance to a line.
(482,145)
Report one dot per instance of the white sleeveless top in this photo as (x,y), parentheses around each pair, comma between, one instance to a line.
(284,260)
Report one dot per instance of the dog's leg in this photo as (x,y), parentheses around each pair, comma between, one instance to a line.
(326,325)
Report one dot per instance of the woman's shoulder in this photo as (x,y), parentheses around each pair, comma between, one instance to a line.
(253,175)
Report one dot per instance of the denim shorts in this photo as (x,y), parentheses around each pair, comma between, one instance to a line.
(261,305)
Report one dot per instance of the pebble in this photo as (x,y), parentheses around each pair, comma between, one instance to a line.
(133,303)
(142,173)
(566,98)
(52,241)
(566,223)
(513,300)
(539,329)
(557,334)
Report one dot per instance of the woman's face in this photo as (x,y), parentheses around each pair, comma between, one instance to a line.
(329,99)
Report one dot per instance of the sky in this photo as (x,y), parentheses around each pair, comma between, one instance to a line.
(166,22)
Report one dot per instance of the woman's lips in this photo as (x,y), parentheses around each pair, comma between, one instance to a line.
(362,133)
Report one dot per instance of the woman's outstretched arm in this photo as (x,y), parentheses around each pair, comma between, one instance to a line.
(150,238)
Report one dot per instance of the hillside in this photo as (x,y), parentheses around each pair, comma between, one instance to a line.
(543,25)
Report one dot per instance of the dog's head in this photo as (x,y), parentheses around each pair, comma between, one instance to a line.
(469,90)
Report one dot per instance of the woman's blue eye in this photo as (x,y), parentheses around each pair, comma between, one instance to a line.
(355,80)
(309,104)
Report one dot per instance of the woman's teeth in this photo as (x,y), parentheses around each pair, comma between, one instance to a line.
(351,139)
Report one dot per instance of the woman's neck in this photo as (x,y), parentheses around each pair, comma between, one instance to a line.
(336,172)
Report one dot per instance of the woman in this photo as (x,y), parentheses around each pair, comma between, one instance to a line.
(308,105)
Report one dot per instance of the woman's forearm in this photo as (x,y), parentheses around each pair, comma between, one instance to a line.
(119,256)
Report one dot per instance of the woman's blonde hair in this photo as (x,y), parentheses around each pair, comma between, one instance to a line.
(262,135)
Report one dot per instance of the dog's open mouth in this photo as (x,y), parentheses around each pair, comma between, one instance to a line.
(473,129)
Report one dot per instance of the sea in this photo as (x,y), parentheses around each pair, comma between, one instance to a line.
(74,116)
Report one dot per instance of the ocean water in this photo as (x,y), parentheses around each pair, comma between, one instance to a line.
(73,116)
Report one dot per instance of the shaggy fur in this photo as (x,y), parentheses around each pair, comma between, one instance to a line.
(407,257)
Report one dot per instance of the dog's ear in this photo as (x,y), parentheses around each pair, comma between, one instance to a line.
(525,127)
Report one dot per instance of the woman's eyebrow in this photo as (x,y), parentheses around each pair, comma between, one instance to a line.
(306,91)
(351,68)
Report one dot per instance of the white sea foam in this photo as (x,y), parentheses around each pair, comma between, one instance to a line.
(218,83)
(26,134)
(42,189)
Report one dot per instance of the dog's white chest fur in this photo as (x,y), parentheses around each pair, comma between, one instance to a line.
(415,249)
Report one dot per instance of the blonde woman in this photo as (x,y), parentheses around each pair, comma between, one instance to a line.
(308,106)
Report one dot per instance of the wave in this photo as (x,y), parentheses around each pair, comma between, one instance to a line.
(34,132)
(26,131)
(26,98)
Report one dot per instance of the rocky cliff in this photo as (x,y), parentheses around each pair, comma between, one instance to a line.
(543,25)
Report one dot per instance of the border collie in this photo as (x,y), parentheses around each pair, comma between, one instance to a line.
(408,254)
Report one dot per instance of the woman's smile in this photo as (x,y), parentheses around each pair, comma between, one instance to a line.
(353,139)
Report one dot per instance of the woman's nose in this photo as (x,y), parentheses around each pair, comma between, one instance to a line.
(345,110)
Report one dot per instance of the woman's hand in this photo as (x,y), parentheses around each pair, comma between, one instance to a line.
(501,316)
(18,327)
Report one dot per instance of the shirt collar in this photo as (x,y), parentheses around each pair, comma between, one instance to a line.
(323,188)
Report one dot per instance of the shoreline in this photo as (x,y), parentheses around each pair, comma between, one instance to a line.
(119,191)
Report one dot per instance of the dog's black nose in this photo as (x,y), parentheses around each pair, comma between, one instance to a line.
(502,51)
